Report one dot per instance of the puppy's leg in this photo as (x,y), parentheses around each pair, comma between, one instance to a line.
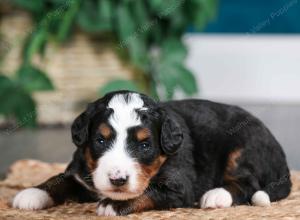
(108,207)
(158,197)
(238,186)
(251,179)
(54,191)
(235,191)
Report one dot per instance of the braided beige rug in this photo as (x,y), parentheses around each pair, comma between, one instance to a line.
(26,173)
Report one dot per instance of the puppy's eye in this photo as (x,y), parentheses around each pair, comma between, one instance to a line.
(145,145)
(100,141)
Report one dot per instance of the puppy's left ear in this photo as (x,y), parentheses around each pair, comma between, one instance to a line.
(171,136)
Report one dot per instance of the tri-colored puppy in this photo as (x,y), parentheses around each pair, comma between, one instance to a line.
(134,154)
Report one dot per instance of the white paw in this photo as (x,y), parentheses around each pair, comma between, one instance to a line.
(32,199)
(216,198)
(106,210)
(260,198)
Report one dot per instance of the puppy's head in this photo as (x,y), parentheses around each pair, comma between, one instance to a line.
(126,138)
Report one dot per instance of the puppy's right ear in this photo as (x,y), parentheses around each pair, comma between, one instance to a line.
(80,126)
(80,129)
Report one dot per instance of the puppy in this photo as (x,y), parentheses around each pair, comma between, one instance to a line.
(135,154)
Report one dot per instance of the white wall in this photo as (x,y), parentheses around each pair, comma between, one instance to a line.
(241,68)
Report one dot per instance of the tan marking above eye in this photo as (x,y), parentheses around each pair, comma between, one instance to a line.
(105,130)
(142,134)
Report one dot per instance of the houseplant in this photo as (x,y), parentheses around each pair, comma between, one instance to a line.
(147,34)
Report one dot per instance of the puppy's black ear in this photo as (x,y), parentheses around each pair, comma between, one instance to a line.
(80,129)
(80,126)
(171,136)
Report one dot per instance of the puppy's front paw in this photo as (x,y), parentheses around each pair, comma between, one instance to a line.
(216,198)
(108,207)
(32,199)
(106,210)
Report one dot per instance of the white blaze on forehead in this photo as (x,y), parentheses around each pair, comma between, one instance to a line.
(125,115)
(116,161)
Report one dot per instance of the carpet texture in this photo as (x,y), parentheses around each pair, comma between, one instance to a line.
(26,173)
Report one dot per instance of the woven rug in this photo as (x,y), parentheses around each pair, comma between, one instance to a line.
(26,173)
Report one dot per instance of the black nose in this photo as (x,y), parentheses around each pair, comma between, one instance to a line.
(119,181)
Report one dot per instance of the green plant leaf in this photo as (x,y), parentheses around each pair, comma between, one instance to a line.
(165,8)
(174,75)
(32,5)
(5,83)
(178,22)
(7,89)
(105,9)
(166,77)
(207,11)
(126,25)
(138,53)
(209,8)
(34,43)
(33,79)
(67,20)
(156,33)
(16,102)
(141,14)
(59,13)
(171,73)
(95,16)
(187,80)
(25,109)
(153,90)
(118,85)
(156,5)
(59,3)
(173,51)
(131,39)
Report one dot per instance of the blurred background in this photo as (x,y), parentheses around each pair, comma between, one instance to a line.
(58,55)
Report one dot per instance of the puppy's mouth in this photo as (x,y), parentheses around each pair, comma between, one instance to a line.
(119,194)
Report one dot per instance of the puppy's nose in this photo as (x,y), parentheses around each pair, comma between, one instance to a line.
(118,181)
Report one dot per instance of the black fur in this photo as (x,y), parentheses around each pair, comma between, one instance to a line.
(198,138)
